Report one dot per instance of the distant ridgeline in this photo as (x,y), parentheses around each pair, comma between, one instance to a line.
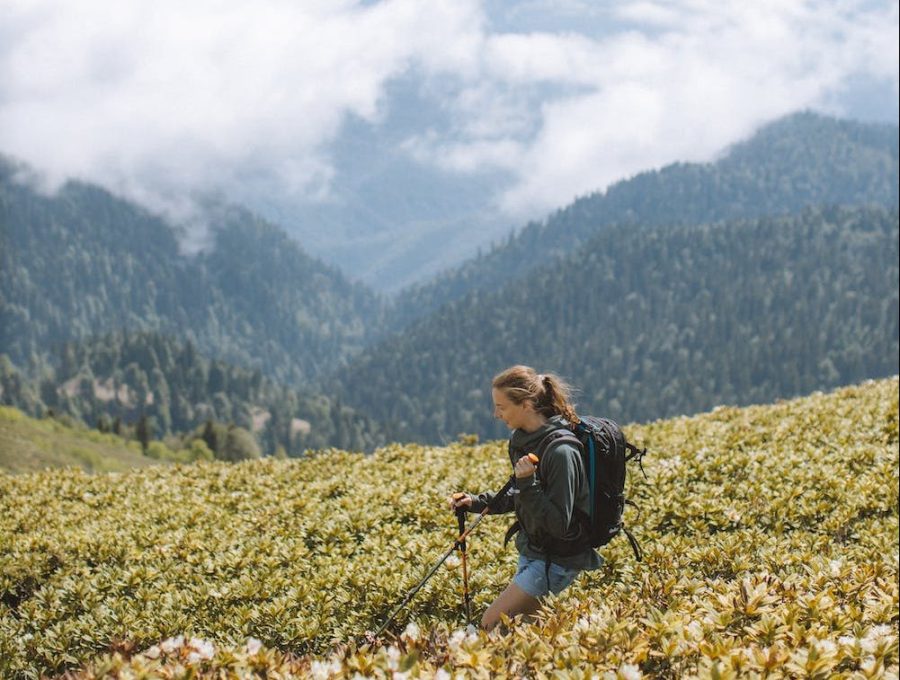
(769,273)
(799,161)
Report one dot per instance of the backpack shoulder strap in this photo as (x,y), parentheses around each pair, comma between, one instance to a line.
(558,436)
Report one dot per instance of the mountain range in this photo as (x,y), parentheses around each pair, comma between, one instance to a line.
(767,273)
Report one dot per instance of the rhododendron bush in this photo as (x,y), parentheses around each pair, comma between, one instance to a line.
(770,538)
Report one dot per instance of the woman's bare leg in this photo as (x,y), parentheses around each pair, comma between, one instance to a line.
(512,602)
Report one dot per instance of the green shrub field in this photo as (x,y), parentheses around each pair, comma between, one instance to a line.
(770,538)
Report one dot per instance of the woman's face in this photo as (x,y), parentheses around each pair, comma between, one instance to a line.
(514,415)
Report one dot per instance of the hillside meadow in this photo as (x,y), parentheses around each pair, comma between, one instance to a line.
(770,539)
(31,444)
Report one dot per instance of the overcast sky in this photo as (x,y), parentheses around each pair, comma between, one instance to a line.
(159,99)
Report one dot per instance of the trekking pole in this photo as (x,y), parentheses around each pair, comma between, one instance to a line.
(461,519)
(456,545)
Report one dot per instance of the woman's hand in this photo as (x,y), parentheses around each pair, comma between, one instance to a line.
(525,466)
(459,500)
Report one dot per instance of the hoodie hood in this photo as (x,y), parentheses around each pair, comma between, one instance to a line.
(527,442)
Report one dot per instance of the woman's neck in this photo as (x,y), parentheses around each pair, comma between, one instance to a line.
(534,422)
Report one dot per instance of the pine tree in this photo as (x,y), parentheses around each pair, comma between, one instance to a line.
(210,437)
(144,431)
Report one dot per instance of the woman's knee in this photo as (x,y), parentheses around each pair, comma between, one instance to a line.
(491,616)
(513,602)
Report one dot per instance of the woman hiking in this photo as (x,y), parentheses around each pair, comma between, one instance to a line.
(549,500)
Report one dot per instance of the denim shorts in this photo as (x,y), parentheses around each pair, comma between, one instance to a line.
(532,577)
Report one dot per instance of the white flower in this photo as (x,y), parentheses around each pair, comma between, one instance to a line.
(457,638)
(442,675)
(629,672)
(153,652)
(835,567)
(170,645)
(253,645)
(320,670)
(393,657)
(452,562)
(462,636)
(879,632)
(875,635)
(694,631)
(826,647)
(412,631)
(847,640)
(203,648)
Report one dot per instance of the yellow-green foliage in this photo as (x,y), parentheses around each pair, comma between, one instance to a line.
(770,537)
(28,444)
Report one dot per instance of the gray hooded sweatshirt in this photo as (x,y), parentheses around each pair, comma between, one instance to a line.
(545,510)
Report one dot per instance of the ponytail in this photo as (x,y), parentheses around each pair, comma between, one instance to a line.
(549,393)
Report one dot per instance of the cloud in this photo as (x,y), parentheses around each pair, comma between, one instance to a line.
(159,97)
(161,100)
(680,81)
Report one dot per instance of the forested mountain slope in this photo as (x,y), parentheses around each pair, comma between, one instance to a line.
(802,160)
(84,262)
(124,377)
(655,322)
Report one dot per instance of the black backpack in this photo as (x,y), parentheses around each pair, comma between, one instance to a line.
(604,453)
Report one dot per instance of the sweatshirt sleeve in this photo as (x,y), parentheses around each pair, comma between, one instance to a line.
(501,506)
(548,510)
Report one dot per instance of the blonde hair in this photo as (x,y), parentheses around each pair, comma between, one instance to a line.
(549,393)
